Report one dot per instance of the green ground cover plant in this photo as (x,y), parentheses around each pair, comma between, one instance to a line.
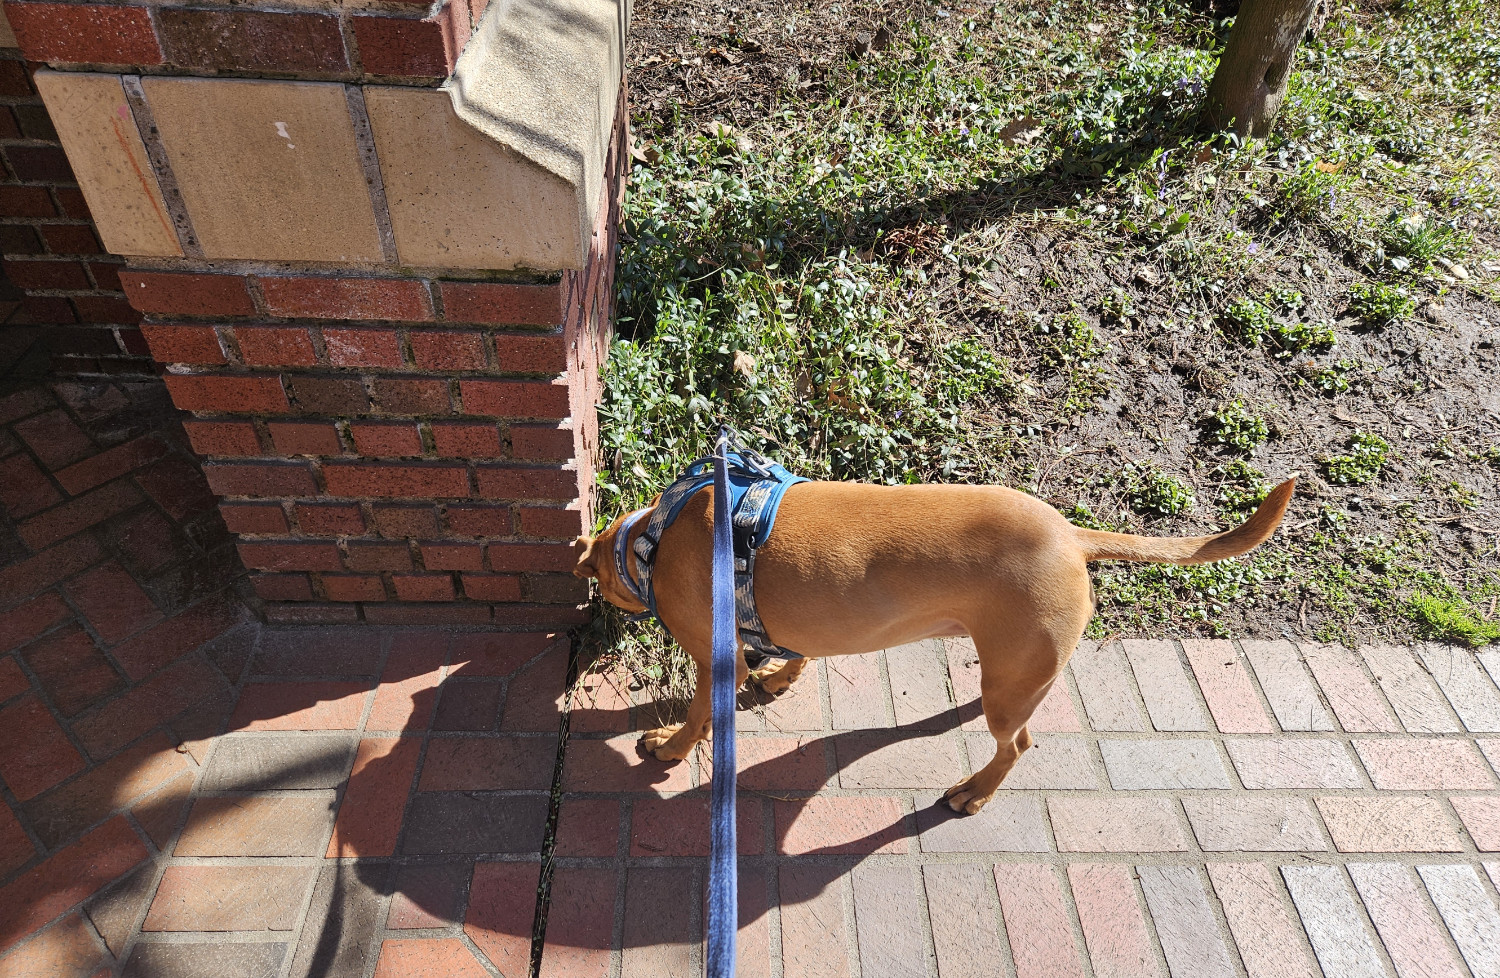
(1378,305)
(1236,427)
(1366,456)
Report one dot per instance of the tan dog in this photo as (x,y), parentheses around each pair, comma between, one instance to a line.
(855,568)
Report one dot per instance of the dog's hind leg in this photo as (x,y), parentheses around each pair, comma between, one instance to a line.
(1008,726)
(778,678)
(1014,679)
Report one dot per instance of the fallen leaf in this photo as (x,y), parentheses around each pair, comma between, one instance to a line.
(744,363)
(1323,167)
(1022,130)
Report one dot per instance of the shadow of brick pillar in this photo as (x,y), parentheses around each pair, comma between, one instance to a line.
(71,304)
(384,303)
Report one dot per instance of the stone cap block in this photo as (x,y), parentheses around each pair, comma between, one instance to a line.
(542,79)
(458,198)
(98,132)
(267,169)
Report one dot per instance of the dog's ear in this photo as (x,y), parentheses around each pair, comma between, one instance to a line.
(587,565)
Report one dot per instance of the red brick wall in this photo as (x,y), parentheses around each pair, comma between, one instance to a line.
(395,450)
(389,40)
(48,242)
(389,444)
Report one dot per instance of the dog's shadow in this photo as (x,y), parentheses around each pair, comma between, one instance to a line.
(796,840)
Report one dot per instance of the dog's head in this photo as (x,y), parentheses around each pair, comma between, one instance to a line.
(596,559)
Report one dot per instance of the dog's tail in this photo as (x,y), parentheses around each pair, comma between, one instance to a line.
(1099,545)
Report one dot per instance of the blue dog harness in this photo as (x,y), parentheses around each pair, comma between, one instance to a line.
(756,486)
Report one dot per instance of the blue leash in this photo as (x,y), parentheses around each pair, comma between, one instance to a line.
(723,871)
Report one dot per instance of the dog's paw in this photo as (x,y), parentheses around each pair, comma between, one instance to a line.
(965,799)
(772,679)
(656,742)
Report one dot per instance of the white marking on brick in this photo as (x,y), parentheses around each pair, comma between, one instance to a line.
(1411,691)
(1293,697)
(1470,915)
(1469,690)
(1412,938)
(1271,943)
(1255,823)
(1340,937)
(1190,936)
(1170,696)
(281,131)
(1104,683)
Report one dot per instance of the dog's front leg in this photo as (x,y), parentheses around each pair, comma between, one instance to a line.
(674,741)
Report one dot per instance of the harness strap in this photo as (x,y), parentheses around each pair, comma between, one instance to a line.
(746,523)
(753,517)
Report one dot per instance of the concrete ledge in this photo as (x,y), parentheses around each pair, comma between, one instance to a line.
(542,78)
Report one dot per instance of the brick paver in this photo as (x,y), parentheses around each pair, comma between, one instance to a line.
(1333,921)
(188,792)
(1412,936)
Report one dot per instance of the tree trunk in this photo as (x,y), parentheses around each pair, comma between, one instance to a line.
(1251,80)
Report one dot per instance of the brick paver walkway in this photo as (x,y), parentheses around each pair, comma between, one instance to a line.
(188,793)
(1193,809)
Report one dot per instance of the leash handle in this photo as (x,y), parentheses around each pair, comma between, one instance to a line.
(723,869)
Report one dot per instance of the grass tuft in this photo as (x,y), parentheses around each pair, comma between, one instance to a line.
(1447,620)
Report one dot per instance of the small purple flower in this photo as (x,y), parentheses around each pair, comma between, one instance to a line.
(1254,248)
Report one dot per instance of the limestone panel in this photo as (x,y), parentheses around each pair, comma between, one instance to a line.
(268,169)
(97,130)
(458,199)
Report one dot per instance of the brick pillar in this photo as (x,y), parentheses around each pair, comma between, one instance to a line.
(72,304)
(384,304)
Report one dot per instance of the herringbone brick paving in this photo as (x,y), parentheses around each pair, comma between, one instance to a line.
(188,793)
